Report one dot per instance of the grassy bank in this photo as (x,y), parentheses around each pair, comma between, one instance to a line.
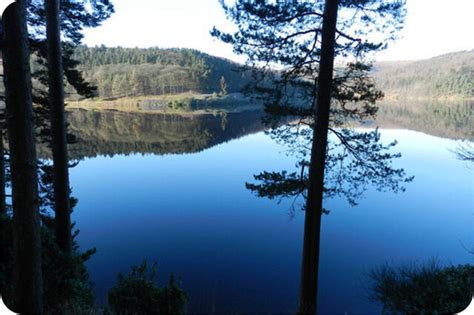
(186,103)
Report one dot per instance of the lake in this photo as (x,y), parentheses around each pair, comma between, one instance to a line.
(171,190)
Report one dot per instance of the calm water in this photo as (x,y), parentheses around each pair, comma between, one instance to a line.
(233,252)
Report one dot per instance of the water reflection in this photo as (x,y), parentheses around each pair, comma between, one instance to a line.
(452,120)
(113,132)
(465,151)
(427,288)
(237,253)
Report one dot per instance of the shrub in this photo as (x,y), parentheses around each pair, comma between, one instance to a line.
(185,104)
(65,278)
(66,285)
(425,289)
(138,293)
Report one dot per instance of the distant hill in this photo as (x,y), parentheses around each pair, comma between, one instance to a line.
(120,72)
(449,75)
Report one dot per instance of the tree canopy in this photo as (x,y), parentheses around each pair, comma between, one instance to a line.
(302,39)
(119,72)
(286,36)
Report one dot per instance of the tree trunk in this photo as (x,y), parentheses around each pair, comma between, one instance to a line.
(314,202)
(58,128)
(3,207)
(27,243)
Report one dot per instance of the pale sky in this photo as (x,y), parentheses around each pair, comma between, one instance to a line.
(433,27)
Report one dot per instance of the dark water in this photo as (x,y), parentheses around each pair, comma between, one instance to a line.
(171,190)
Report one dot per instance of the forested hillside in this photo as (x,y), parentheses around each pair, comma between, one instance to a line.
(119,72)
(122,72)
(450,75)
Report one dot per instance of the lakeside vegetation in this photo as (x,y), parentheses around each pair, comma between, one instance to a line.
(409,289)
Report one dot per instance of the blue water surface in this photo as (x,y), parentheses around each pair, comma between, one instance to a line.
(236,253)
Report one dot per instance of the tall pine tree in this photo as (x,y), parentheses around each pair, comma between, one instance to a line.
(292,46)
(56,19)
(21,138)
(58,127)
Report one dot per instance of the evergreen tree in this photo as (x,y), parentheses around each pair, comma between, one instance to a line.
(154,71)
(73,18)
(58,128)
(302,39)
(21,138)
(135,84)
(53,60)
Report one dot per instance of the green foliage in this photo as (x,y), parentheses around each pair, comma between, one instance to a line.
(426,289)
(450,75)
(75,16)
(181,104)
(355,161)
(138,293)
(287,35)
(65,278)
(119,72)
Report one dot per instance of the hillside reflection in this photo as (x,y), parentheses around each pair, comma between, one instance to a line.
(112,132)
(452,120)
(109,132)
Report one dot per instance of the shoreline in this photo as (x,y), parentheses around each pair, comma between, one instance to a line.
(187,104)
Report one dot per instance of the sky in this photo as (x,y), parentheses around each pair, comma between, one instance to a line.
(432,27)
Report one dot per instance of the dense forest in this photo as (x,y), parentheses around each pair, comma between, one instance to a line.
(449,75)
(119,72)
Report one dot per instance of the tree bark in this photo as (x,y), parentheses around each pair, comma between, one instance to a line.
(27,244)
(3,207)
(314,202)
(58,128)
